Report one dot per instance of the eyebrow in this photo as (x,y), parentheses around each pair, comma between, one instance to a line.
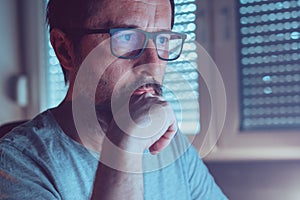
(110,24)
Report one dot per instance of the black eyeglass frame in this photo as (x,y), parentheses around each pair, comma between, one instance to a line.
(149,35)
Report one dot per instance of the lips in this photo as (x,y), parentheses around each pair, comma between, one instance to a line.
(144,89)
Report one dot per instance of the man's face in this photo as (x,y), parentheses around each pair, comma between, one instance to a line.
(122,74)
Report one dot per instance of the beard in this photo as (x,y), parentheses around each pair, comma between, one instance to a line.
(106,98)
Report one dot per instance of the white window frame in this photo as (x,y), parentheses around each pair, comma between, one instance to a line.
(235,144)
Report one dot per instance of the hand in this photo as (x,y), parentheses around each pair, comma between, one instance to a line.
(151,124)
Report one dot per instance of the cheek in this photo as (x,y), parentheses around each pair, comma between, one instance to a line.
(117,73)
(114,80)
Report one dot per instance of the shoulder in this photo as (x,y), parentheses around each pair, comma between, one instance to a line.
(33,134)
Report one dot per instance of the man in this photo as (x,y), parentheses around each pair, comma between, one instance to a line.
(114,55)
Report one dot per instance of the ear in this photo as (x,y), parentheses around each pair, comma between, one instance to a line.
(63,49)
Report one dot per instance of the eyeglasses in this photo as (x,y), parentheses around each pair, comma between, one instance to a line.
(130,43)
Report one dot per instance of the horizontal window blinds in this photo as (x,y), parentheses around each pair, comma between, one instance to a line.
(269,64)
(56,88)
(181,80)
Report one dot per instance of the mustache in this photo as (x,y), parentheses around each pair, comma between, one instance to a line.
(103,111)
(129,89)
(157,87)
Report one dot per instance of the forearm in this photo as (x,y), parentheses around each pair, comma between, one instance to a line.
(119,175)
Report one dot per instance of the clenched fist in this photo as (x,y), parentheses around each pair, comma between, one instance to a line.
(148,122)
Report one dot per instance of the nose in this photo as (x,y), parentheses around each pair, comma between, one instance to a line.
(150,53)
(149,63)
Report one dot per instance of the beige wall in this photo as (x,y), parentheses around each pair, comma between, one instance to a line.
(9,61)
(258,180)
(22,58)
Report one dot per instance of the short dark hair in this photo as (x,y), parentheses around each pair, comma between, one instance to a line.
(69,14)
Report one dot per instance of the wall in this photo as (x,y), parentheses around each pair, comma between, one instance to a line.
(22,58)
(263,180)
(9,61)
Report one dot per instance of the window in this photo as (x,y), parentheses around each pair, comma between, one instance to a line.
(269,44)
(255,44)
(55,84)
(55,80)
(181,80)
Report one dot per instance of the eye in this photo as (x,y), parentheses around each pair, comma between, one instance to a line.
(125,37)
(163,40)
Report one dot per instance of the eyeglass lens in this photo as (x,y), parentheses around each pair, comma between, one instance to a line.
(168,45)
(130,44)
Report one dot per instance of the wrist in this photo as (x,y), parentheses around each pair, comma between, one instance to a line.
(126,142)
(121,158)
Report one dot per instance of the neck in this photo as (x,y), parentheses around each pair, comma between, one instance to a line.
(83,128)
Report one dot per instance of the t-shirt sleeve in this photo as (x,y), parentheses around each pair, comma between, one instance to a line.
(201,181)
(21,177)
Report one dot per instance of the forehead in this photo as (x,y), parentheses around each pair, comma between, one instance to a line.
(136,13)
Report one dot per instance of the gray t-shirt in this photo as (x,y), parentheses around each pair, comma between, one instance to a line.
(39,161)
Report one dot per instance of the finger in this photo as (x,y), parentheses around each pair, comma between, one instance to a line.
(164,140)
(148,96)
